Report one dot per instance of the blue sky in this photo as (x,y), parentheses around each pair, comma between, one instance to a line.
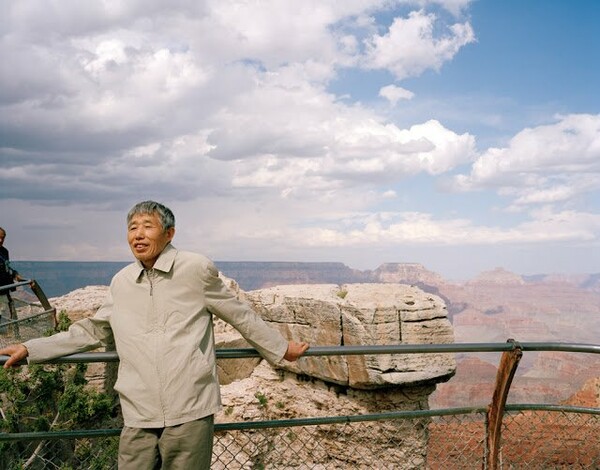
(463,135)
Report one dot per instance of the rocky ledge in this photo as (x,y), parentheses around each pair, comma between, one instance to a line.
(361,314)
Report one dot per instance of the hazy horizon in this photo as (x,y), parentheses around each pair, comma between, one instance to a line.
(18,263)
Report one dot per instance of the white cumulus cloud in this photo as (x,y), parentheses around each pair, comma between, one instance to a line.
(394,93)
(414,228)
(546,164)
(410,46)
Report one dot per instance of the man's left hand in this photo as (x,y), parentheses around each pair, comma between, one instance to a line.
(295,350)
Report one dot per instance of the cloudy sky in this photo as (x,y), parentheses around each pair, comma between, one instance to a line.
(463,135)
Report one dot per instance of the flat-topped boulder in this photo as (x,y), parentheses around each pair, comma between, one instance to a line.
(361,314)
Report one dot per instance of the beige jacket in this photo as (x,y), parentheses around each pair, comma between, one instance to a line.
(161,323)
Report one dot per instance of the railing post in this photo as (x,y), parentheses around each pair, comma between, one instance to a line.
(506,371)
(39,293)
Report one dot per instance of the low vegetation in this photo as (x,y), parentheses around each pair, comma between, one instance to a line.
(51,398)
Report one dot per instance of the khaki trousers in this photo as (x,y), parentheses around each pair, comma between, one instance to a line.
(186,446)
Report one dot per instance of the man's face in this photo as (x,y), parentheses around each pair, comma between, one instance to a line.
(2,237)
(147,239)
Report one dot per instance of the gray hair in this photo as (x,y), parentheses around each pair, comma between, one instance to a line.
(165,215)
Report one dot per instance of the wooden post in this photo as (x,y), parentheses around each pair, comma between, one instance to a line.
(39,293)
(506,371)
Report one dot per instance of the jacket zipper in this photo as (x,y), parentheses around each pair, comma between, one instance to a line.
(150,274)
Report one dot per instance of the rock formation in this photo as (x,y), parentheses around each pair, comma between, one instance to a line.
(408,273)
(81,303)
(588,396)
(361,314)
(498,276)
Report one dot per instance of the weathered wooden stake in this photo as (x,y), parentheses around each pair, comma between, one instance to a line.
(506,371)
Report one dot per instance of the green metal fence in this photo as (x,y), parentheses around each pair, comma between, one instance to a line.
(455,439)
(532,436)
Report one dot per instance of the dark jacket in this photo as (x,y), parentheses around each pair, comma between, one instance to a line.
(7,274)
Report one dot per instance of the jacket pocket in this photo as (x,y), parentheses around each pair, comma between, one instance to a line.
(138,392)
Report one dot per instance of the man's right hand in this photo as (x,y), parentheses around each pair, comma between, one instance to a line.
(17,353)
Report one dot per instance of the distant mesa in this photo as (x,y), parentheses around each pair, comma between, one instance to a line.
(410,273)
(585,281)
(498,276)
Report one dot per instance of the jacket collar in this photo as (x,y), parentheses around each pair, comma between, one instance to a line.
(164,263)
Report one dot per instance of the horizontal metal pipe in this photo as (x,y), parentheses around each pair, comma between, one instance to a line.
(558,408)
(245,425)
(29,318)
(16,284)
(360,350)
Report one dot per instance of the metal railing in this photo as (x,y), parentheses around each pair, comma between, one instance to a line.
(497,436)
(34,318)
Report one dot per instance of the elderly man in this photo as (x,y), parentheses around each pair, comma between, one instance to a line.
(159,315)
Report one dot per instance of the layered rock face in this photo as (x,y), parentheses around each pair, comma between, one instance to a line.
(361,314)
